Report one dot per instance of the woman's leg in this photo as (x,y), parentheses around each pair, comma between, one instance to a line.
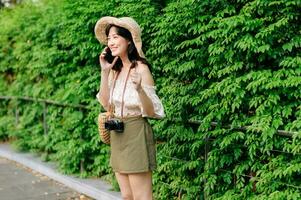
(141,185)
(124,185)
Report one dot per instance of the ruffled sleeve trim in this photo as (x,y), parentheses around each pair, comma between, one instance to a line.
(158,106)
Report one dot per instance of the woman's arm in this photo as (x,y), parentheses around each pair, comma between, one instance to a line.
(103,95)
(104,91)
(143,76)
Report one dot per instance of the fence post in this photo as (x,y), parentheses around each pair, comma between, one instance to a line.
(82,161)
(17,115)
(45,118)
(82,166)
(206,150)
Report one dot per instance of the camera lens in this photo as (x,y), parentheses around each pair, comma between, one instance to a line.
(114,124)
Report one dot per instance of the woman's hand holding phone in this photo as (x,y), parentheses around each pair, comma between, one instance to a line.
(104,63)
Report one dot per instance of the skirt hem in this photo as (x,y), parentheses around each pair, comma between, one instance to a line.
(133,172)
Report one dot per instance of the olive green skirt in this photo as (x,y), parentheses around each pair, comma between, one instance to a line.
(133,151)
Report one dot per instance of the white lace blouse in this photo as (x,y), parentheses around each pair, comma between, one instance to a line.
(132,103)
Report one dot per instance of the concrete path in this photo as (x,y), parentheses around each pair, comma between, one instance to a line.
(24,176)
(18,183)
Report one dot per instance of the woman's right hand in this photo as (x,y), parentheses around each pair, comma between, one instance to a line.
(104,64)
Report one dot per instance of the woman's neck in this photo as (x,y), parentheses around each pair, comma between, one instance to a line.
(126,63)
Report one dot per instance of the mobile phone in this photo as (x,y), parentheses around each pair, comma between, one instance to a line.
(108,57)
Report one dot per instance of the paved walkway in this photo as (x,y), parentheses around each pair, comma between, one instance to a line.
(18,183)
(24,176)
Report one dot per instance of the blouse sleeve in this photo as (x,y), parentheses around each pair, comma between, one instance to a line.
(99,92)
(158,106)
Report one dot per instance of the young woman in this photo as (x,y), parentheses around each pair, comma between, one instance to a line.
(127,85)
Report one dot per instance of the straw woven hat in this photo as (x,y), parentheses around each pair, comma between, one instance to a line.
(124,22)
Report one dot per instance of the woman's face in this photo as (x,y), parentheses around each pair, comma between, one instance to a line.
(117,44)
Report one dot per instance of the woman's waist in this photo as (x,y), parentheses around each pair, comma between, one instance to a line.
(127,113)
(129,118)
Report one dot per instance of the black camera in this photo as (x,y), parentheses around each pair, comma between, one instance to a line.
(114,124)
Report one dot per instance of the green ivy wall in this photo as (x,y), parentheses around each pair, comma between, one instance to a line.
(228,73)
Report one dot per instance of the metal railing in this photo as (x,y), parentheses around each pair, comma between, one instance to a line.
(45,103)
(79,106)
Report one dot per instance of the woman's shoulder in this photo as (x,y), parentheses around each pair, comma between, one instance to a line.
(142,67)
(143,70)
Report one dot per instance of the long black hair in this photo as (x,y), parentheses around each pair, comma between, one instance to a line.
(133,54)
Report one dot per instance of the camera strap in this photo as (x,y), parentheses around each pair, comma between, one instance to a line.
(111,106)
(126,80)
